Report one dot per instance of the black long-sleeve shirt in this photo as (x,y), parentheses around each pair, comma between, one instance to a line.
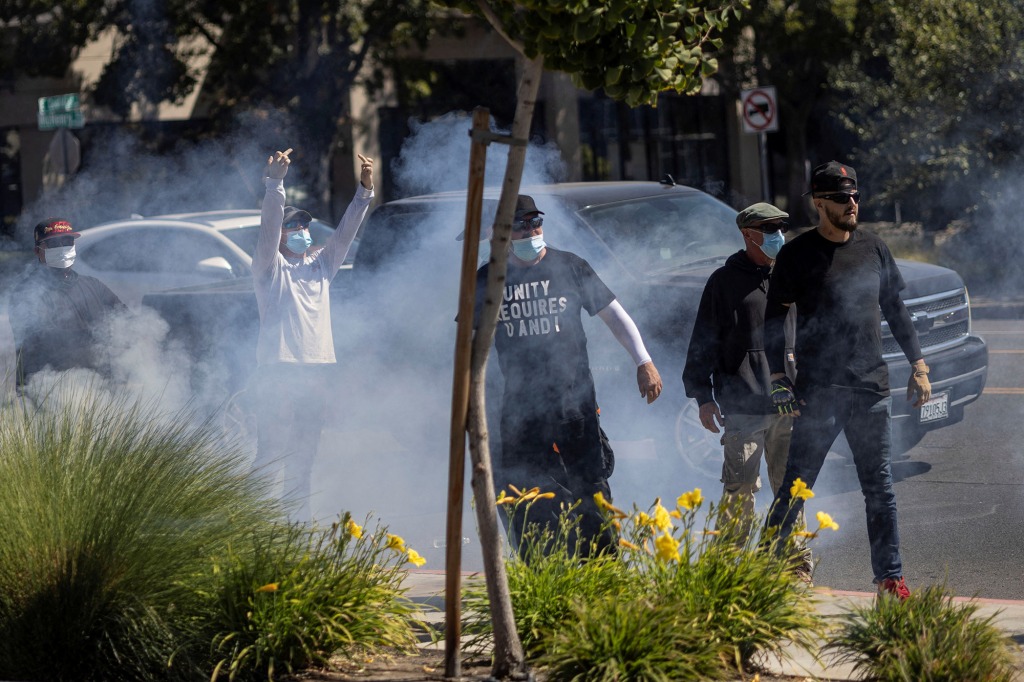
(58,319)
(840,290)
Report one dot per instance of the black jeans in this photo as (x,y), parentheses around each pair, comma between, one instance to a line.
(864,417)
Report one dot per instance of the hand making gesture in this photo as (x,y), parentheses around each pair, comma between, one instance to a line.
(365,171)
(277,165)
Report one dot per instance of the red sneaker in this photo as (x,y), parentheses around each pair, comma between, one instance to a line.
(894,586)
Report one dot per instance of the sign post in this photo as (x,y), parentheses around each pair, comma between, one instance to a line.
(60,111)
(760,114)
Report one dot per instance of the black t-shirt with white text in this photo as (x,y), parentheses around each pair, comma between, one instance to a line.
(540,340)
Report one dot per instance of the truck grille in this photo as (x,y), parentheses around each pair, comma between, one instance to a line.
(942,320)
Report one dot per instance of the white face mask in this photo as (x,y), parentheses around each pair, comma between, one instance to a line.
(59,256)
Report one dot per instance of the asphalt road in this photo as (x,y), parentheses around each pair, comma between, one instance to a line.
(960,493)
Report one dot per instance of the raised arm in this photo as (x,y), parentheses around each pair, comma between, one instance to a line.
(340,242)
(269,240)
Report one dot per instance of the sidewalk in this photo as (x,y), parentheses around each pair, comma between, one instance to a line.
(427,588)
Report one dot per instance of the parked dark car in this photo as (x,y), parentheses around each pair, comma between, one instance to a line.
(653,244)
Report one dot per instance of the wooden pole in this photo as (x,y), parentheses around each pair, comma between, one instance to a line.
(460,398)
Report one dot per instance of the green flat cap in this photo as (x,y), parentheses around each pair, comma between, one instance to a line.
(757,213)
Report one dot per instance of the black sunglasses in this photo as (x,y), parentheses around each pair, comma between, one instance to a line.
(771,228)
(842,197)
(528,224)
(296,225)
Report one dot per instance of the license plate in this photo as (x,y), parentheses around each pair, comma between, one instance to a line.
(935,409)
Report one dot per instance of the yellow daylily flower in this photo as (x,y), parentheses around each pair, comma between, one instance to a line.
(504,499)
(623,542)
(667,547)
(690,500)
(712,532)
(269,587)
(515,490)
(801,490)
(825,521)
(354,529)
(805,534)
(675,514)
(414,558)
(396,543)
(643,519)
(661,519)
(546,496)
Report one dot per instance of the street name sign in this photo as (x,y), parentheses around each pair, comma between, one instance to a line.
(60,111)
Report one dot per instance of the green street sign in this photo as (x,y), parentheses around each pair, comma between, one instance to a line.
(60,111)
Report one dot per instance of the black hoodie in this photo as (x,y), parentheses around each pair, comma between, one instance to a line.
(726,361)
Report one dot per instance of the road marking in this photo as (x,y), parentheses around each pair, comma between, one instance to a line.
(998,390)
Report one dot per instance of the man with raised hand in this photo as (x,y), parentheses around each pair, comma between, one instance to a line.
(295,350)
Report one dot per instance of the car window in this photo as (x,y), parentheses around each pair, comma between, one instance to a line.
(659,233)
(155,249)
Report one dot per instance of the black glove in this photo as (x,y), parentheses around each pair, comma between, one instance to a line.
(783,396)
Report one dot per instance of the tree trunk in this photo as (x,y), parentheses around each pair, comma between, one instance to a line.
(795,120)
(509,659)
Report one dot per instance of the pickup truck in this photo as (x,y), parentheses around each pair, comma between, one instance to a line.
(654,244)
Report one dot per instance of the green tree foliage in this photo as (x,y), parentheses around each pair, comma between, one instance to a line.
(935,101)
(633,50)
(795,46)
(300,56)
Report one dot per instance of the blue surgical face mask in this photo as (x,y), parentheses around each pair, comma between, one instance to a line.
(528,249)
(772,243)
(299,241)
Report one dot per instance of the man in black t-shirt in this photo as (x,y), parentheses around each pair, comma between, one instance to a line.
(550,430)
(58,316)
(842,280)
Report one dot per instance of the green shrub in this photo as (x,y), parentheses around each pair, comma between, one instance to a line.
(615,639)
(108,509)
(296,597)
(927,638)
(545,581)
(672,599)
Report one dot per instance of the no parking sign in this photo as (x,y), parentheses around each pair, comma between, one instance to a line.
(759,110)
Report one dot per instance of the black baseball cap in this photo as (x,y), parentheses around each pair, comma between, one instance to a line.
(296,215)
(54,227)
(525,205)
(833,177)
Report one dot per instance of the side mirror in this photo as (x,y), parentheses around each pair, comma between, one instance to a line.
(216,266)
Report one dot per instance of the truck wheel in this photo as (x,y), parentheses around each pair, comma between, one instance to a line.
(699,449)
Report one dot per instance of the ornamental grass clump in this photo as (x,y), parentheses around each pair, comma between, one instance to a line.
(927,638)
(734,587)
(674,602)
(545,578)
(108,508)
(295,598)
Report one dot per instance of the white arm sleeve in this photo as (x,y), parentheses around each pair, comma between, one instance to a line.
(625,331)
